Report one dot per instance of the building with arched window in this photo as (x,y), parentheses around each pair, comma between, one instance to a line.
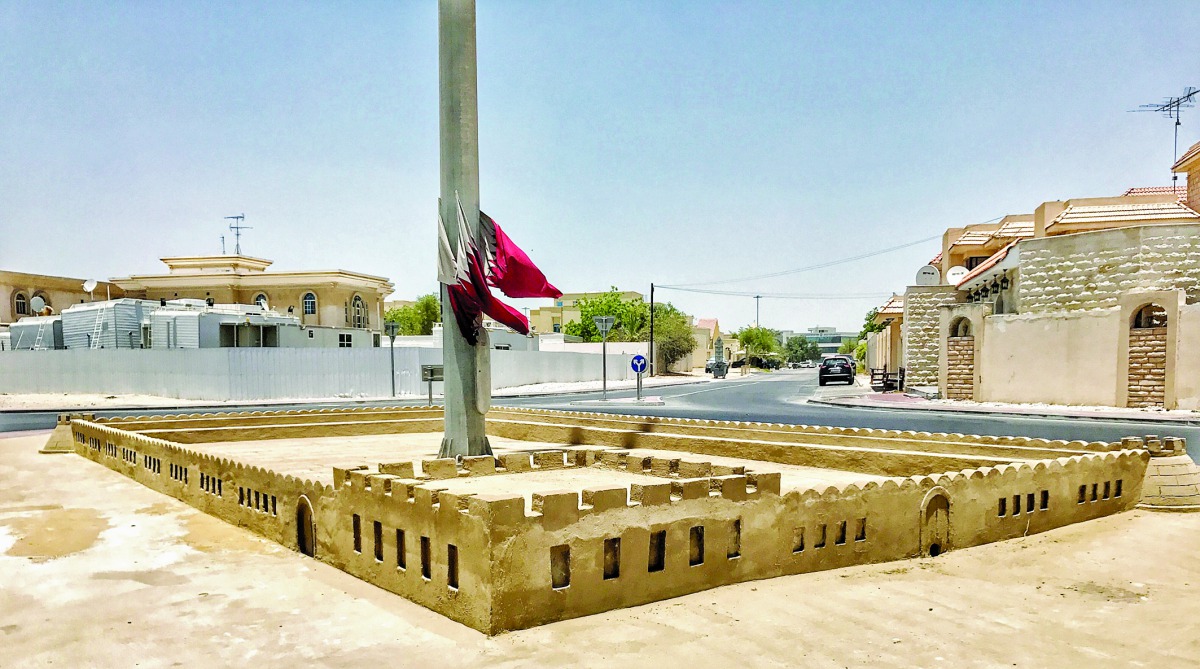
(334,298)
(18,290)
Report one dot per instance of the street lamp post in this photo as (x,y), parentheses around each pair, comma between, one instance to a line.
(603,324)
(392,327)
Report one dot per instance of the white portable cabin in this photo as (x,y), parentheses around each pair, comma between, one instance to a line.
(107,324)
(195,324)
(36,333)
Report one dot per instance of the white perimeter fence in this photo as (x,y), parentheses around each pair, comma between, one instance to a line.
(275,373)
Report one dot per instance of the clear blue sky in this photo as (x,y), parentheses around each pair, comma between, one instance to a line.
(621,143)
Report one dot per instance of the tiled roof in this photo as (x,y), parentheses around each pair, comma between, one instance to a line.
(1015,230)
(937,259)
(1180,191)
(973,238)
(1129,214)
(894,306)
(1188,156)
(707,323)
(986,265)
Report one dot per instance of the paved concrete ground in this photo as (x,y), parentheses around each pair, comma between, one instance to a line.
(98,571)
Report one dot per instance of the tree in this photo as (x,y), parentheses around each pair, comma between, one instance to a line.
(758,341)
(417,318)
(799,348)
(848,346)
(869,324)
(631,318)
(673,334)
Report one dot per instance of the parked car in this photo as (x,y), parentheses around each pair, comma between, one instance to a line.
(807,364)
(708,365)
(836,368)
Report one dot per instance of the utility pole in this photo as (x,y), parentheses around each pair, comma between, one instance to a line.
(465,366)
(653,366)
(757,299)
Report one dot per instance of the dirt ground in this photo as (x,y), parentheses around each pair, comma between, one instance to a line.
(98,571)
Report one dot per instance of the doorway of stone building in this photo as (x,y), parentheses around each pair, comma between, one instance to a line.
(935,525)
(960,361)
(1147,382)
(306,530)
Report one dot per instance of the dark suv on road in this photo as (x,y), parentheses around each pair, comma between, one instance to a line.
(836,368)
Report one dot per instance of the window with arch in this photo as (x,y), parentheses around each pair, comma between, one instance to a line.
(961,327)
(1149,316)
(310,304)
(261,300)
(21,304)
(358,309)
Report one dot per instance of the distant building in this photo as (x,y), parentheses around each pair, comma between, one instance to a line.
(17,290)
(827,338)
(565,309)
(335,298)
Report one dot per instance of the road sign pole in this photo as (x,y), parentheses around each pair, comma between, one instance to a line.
(604,368)
(392,355)
(639,387)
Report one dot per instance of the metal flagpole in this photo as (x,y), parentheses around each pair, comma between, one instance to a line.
(650,349)
(466,398)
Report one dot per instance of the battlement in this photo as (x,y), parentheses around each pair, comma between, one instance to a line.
(530,536)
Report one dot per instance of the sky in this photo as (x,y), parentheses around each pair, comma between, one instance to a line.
(621,143)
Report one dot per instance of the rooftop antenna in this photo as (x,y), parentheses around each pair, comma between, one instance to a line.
(1170,108)
(222,244)
(237,228)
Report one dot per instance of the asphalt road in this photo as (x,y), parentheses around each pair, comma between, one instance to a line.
(779,397)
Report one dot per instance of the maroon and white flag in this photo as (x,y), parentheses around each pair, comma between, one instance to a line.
(469,271)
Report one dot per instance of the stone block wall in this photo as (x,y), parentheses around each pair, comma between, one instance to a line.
(922,331)
(1091,270)
(960,368)
(1147,366)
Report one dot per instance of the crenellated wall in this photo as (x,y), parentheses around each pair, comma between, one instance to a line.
(511,560)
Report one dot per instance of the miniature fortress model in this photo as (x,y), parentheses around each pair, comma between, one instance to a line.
(582,513)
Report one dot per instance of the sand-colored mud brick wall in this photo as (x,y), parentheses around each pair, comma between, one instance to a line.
(922,324)
(960,368)
(1147,366)
(1091,270)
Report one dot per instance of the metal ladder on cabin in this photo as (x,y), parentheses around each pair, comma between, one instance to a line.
(37,343)
(99,328)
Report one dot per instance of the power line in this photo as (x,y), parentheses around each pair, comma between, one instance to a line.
(779,296)
(809,268)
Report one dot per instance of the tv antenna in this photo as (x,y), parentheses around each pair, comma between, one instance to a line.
(1170,108)
(236,227)
(222,244)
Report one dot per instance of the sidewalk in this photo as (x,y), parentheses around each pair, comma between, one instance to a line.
(83,402)
(901,401)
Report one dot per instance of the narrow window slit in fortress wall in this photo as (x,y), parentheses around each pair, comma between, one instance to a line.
(798,540)
(401,559)
(612,558)
(1016,511)
(735,539)
(1095,491)
(658,551)
(241,496)
(426,567)
(860,534)
(1003,506)
(560,566)
(820,542)
(696,549)
(452,566)
(1082,494)
(1029,503)
(1107,489)
(1045,500)
(378,537)
(357,528)
(1118,491)
(841,534)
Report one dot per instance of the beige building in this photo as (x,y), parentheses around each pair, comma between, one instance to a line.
(18,289)
(1084,301)
(565,309)
(335,298)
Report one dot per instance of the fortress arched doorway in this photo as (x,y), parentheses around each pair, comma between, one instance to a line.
(935,523)
(306,529)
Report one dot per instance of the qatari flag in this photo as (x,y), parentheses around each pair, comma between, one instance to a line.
(511,269)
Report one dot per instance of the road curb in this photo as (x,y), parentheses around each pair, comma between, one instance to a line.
(1011,414)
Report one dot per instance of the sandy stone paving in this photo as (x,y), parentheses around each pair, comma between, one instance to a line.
(98,571)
